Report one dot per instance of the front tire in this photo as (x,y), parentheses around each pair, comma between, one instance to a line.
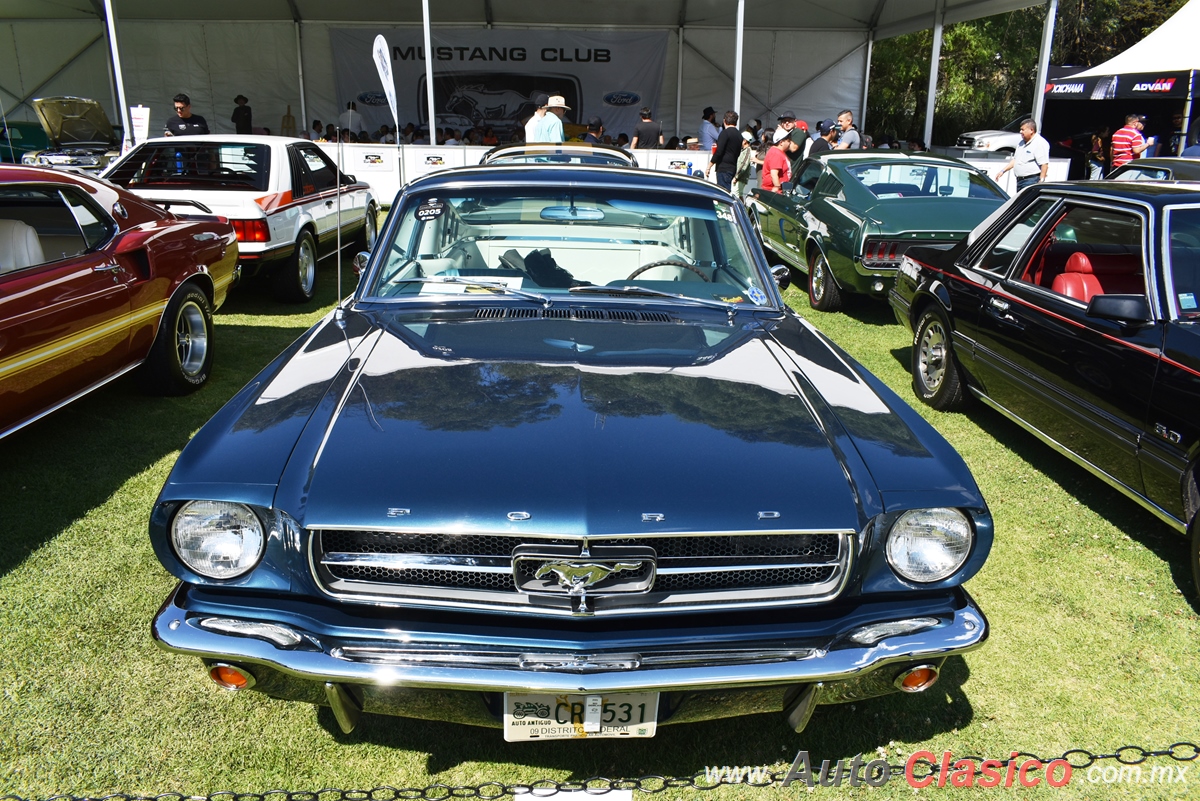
(180,361)
(823,292)
(936,377)
(370,229)
(295,281)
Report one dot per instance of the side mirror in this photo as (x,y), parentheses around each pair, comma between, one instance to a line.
(782,276)
(359,263)
(350,179)
(1130,310)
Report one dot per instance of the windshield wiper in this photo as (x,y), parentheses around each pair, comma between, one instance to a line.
(729,308)
(494,285)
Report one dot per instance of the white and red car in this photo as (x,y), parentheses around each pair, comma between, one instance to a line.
(286,199)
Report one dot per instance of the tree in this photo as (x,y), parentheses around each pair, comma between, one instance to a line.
(988,66)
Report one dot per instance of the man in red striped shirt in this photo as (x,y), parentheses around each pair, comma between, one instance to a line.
(1127,143)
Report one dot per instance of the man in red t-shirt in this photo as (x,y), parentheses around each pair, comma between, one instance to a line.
(777,168)
(1127,143)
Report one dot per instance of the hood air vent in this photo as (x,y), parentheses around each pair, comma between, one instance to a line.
(499,313)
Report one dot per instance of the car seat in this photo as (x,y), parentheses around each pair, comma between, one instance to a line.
(19,246)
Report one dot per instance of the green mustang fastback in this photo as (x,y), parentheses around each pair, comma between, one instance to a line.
(848,216)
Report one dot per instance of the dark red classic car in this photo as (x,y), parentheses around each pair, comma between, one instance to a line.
(95,282)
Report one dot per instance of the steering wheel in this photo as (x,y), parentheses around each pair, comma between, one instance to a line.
(665,263)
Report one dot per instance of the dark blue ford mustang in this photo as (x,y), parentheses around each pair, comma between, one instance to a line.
(566,464)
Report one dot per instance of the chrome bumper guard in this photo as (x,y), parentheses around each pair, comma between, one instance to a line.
(405,660)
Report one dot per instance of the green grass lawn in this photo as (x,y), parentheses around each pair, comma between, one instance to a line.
(1094,624)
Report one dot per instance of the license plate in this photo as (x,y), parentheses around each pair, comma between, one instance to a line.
(568,717)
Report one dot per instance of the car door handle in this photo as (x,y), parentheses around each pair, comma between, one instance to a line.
(106,268)
(998,310)
(207,236)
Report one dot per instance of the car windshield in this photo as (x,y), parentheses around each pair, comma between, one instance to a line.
(553,240)
(195,165)
(551,154)
(1143,174)
(902,179)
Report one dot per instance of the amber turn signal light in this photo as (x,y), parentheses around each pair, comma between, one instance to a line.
(231,677)
(917,679)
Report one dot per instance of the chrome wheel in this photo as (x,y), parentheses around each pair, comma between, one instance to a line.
(306,266)
(191,339)
(823,292)
(931,355)
(371,228)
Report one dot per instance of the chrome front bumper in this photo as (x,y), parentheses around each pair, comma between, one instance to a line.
(395,670)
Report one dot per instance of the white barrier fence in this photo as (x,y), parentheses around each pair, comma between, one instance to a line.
(387,168)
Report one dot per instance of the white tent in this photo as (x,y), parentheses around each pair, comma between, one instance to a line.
(1171,47)
(806,56)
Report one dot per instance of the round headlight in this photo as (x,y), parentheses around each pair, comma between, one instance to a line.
(929,544)
(218,540)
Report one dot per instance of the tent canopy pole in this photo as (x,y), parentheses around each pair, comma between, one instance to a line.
(935,55)
(1039,88)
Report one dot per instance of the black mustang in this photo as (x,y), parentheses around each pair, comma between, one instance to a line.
(1073,310)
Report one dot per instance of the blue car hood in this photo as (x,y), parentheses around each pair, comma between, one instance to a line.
(583,428)
(420,439)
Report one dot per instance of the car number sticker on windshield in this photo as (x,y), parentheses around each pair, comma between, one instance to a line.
(1187,301)
(722,211)
(757,295)
(529,716)
(430,209)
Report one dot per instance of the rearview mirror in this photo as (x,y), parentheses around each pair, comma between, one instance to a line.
(572,213)
(1124,309)
(782,275)
(359,263)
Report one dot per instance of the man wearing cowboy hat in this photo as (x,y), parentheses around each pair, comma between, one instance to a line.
(552,126)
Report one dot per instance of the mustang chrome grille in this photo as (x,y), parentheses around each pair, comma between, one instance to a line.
(479,570)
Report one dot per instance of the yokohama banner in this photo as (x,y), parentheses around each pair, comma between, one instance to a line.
(487,78)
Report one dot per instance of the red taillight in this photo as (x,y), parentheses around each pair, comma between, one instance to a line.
(891,251)
(251,230)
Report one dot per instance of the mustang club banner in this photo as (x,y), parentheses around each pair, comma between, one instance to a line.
(487,78)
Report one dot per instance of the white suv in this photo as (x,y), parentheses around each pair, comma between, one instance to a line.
(284,197)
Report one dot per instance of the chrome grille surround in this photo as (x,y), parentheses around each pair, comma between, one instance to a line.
(475,570)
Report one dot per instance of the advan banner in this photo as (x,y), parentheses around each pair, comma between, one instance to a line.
(487,78)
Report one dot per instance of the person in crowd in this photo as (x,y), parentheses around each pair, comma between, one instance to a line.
(777,168)
(489,137)
(916,146)
(1031,160)
(350,119)
(266,131)
(385,135)
(1169,143)
(606,139)
(648,133)
(420,136)
(1098,155)
(452,138)
(552,123)
(185,123)
(595,129)
(241,115)
(725,155)
(1128,143)
(622,141)
(743,174)
(849,138)
(755,129)
(708,129)
(317,132)
(408,134)
(787,123)
(331,133)
(672,143)
(805,142)
(827,132)
(533,126)
(363,137)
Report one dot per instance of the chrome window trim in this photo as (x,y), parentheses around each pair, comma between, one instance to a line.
(1175,314)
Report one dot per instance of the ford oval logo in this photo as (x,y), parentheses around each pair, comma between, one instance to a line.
(622,99)
(372,98)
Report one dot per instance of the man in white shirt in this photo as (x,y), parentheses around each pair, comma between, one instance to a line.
(552,123)
(533,125)
(351,120)
(1031,161)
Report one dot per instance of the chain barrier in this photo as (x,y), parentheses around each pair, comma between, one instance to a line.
(1077,758)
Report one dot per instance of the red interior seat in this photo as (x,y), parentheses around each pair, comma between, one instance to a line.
(1092,274)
